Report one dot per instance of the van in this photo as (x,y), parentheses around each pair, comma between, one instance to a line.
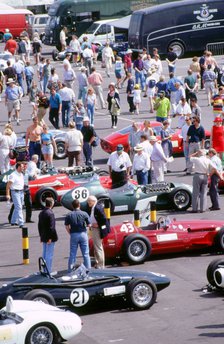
(38,24)
(16,20)
(186,26)
(100,32)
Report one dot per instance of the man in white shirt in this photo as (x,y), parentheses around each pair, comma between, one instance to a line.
(213,188)
(69,75)
(141,165)
(107,58)
(157,158)
(73,145)
(183,109)
(67,97)
(15,185)
(119,167)
(32,169)
(147,148)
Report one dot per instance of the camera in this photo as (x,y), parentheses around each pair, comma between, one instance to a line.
(121,166)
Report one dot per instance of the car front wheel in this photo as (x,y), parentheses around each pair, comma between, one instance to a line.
(141,293)
(61,152)
(213,266)
(136,249)
(181,199)
(42,334)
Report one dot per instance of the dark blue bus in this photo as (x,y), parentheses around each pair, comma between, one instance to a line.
(184,25)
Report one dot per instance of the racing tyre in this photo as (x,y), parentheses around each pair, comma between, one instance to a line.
(137,249)
(141,293)
(219,240)
(40,295)
(42,194)
(181,199)
(211,269)
(42,333)
(61,152)
(207,143)
(178,48)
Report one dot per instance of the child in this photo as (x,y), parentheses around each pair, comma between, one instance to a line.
(118,71)
(137,98)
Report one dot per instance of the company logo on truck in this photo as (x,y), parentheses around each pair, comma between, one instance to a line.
(205,14)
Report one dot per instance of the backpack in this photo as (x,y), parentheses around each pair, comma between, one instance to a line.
(152,83)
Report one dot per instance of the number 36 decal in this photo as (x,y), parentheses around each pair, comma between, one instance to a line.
(79,297)
(127,228)
(80,194)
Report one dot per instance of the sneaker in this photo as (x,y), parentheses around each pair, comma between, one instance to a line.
(114,127)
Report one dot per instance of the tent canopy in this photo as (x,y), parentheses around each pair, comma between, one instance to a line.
(122,23)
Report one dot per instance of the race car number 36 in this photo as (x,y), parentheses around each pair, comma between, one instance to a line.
(81,194)
(79,297)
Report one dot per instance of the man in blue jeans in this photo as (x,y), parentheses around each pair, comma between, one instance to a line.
(47,232)
(76,224)
(55,108)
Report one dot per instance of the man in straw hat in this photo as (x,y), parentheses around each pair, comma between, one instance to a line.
(13,94)
(141,165)
(157,158)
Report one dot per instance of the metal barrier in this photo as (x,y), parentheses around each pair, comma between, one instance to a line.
(216,48)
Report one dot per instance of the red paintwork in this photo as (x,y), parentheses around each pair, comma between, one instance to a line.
(180,236)
(106,182)
(110,142)
(61,183)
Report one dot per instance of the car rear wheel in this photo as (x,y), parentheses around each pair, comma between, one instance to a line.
(219,240)
(136,249)
(42,334)
(61,152)
(42,194)
(211,269)
(141,293)
(40,295)
(181,199)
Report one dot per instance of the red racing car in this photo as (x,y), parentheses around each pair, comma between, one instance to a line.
(135,245)
(110,142)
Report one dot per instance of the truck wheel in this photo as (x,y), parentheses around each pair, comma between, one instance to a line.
(141,293)
(136,249)
(40,295)
(178,48)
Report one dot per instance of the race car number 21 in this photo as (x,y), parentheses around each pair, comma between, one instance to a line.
(81,194)
(79,297)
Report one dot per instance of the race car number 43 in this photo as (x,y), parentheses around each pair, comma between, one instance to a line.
(127,228)
(81,194)
(79,297)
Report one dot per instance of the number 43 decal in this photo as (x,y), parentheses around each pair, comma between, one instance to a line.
(79,297)
(127,228)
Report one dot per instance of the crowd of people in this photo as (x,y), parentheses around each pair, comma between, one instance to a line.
(73,108)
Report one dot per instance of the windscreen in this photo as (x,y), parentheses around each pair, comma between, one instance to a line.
(92,28)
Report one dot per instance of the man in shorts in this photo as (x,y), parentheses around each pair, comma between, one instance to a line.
(13,94)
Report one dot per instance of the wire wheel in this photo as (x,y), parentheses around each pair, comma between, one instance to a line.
(182,200)
(41,335)
(137,250)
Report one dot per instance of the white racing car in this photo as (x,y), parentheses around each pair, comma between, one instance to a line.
(33,322)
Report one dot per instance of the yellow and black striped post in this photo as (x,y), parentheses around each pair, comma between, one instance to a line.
(107,208)
(153,212)
(25,242)
(137,218)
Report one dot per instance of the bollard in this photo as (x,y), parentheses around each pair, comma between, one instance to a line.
(25,242)
(153,211)
(137,218)
(107,208)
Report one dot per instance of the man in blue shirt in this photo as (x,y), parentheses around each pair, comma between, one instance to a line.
(55,108)
(13,94)
(76,224)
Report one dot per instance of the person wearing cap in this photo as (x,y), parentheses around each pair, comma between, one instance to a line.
(210,82)
(119,167)
(158,159)
(73,145)
(83,84)
(69,75)
(13,95)
(89,136)
(162,107)
(213,187)
(15,187)
(7,35)
(108,57)
(141,165)
(217,137)
(68,98)
(55,108)
(195,139)
(203,166)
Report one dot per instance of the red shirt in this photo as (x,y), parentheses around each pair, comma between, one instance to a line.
(127,61)
(11,46)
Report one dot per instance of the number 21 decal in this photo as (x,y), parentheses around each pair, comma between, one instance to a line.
(79,297)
